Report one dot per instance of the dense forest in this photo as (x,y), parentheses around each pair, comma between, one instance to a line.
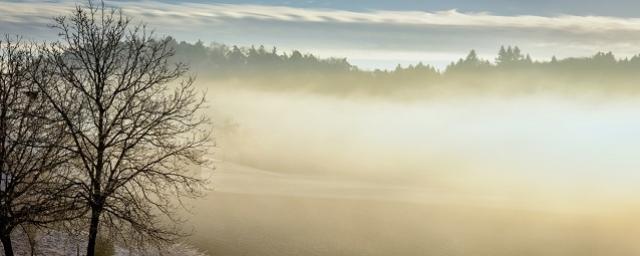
(512,71)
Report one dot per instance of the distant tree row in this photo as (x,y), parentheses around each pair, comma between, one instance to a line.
(220,58)
(275,69)
(512,57)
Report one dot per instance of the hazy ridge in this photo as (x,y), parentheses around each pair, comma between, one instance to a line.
(512,72)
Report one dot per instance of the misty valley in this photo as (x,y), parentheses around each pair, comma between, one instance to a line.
(319,128)
(302,173)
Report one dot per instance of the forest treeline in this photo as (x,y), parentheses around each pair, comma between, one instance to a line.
(511,71)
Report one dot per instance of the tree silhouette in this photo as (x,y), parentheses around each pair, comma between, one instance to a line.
(135,128)
(33,165)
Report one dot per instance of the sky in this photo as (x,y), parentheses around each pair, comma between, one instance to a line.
(373,34)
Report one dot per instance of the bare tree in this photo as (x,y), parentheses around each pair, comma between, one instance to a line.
(137,132)
(33,185)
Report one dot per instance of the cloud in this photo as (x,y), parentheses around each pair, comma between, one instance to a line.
(388,35)
(193,12)
(418,18)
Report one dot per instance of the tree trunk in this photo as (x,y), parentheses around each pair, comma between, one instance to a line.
(31,239)
(93,232)
(6,244)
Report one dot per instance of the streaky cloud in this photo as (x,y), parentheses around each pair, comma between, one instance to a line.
(199,12)
(580,24)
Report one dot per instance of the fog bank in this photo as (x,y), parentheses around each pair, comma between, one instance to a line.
(307,174)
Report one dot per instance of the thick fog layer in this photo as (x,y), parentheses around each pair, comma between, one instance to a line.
(308,174)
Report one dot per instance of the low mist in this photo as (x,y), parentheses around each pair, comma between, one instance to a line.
(303,173)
